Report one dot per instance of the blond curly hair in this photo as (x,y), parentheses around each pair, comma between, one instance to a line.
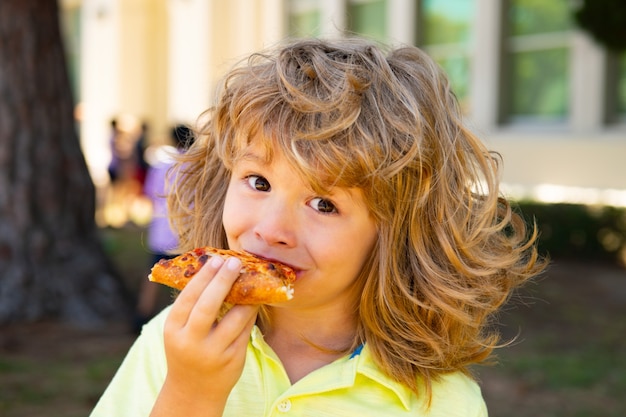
(353,113)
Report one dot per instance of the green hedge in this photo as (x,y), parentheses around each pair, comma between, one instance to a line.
(586,233)
(605,20)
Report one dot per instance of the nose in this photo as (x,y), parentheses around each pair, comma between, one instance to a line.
(276,225)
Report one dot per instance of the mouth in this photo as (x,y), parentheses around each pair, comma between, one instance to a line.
(298,271)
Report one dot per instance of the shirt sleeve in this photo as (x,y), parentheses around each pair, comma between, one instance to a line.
(136,384)
(457,395)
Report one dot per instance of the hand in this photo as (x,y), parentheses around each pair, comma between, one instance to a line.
(205,357)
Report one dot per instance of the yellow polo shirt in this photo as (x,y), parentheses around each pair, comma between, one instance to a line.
(350,386)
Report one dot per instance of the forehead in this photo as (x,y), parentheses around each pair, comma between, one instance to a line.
(258,148)
(264,149)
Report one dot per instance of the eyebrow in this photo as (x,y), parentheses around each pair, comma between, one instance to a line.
(253,156)
(249,156)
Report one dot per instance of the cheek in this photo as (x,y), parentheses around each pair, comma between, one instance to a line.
(349,251)
(233,217)
(363,245)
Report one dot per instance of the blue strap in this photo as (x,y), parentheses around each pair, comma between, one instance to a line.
(357,351)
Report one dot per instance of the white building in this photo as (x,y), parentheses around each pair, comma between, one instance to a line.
(535,87)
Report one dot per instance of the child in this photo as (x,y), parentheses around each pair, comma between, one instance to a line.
(352,165)
(160,239)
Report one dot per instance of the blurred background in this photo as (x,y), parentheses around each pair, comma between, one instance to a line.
(535,85)
(542,82)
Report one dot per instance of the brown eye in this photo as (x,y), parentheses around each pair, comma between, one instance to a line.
(258,183)
(322,205)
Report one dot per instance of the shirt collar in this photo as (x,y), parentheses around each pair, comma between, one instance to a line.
(367,367)
(360,362)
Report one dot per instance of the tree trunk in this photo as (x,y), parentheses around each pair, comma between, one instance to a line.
(51,260)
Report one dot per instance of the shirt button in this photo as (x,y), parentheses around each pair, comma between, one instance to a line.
(284,406)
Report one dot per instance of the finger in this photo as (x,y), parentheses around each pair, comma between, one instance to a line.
(188,297)
(236,320)
(251,313)
(235,328)
(206,308)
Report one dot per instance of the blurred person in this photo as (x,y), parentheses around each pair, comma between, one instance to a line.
(141,143)
(114,161)
(162,242)
(350,162)
(125,175)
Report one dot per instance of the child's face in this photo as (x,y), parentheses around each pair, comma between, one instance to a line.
(271,212)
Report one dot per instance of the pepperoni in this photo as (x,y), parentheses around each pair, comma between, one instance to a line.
(190,270)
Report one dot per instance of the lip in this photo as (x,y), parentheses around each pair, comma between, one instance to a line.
(297,270)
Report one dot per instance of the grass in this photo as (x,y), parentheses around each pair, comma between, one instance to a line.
(568,360)
(54,387)
(577,369)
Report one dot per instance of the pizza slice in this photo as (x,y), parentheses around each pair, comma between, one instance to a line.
(260,281)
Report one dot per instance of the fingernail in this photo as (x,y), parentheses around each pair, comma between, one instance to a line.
(233,263)
(216,262)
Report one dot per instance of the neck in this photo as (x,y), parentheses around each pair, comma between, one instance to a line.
(305,341)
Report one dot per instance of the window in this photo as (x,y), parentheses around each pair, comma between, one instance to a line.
(445,34)
(536,60)
(368,18)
